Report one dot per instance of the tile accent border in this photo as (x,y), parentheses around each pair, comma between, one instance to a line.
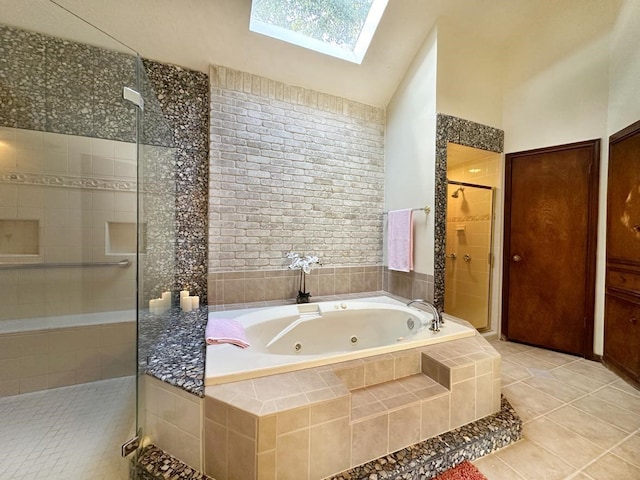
(451,129)
(267,285)
(67,181)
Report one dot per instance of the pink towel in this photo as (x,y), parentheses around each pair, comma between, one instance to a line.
(400,240)
(224,330)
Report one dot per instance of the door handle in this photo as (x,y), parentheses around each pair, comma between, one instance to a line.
(517,258)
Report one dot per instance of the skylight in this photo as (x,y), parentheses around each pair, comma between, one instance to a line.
(340,28)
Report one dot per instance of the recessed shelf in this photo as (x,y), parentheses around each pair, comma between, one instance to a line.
(19,237)
(121,238)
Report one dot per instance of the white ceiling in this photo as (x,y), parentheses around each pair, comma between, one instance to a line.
(197,33)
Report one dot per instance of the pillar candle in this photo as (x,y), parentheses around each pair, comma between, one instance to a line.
(185,304)
(166,300)
(184,293)
(153,306)
(195,302)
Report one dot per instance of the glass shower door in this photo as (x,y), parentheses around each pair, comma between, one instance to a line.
(68,157)
(468,253)
(156,238)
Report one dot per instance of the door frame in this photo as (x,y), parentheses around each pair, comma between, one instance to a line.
(592,236)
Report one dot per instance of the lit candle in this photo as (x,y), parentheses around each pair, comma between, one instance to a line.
(184,293)
(195,302)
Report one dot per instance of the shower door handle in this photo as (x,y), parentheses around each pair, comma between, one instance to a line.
(517,258)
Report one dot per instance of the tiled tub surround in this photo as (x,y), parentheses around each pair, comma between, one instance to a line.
(421,461)
(318,422)
(266,285)
(40,359)
(171,405)
(408,284)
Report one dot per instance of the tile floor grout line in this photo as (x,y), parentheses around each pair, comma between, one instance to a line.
(610,451)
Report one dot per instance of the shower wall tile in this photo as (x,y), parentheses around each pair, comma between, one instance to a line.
(72,213)
(43,359)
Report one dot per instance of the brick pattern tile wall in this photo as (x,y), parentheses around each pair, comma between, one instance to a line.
(292,168)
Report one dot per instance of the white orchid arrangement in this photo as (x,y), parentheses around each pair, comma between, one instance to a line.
(304,264)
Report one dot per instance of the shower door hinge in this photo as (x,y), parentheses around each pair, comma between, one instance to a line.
(130,446)
(133,96)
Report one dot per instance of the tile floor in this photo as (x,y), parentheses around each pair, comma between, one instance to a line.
(67,433)
(580,420)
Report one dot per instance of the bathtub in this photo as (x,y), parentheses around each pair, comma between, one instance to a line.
(295,337)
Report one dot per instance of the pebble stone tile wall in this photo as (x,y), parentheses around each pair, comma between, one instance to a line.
(173,350)
(55,85)
(183,97)
(451,129)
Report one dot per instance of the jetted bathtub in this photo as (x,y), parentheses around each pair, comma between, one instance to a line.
(294,337)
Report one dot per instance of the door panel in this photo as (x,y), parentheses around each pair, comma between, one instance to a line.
(550,246)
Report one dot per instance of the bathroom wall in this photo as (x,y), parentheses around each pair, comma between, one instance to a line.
(410,164)
(624,68)
(291,169)
(470,72)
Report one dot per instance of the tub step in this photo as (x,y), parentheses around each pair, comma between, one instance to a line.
(383,398)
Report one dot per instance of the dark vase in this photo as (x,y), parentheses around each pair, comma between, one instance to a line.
(303,297)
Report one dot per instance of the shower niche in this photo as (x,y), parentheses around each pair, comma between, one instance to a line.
(19,237)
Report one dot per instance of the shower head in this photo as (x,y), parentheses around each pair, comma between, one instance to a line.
(456,193)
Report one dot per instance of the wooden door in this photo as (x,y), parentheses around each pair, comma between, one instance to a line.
(549,249)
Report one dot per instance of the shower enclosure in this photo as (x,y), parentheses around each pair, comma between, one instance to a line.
(468,252)
(87,202)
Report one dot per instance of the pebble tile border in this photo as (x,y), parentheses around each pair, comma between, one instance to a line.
(174,348)
(154,463)
(422,461)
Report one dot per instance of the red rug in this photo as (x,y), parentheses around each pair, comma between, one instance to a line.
(464,471)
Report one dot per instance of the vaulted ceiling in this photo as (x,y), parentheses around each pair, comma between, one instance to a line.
(197,33)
